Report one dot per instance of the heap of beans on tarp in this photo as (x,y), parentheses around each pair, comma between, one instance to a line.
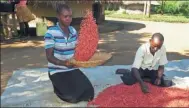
(87,39)
(131,96)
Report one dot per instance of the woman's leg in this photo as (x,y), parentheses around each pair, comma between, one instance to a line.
(26,29)
(88,94)
(72,86)
(88,90)
(22,29)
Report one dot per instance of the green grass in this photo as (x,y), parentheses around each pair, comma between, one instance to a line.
(154,17)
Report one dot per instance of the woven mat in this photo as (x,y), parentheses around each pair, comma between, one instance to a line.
(32,87)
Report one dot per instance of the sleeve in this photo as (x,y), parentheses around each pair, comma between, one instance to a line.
(49,40)
(163,59)
(138,58)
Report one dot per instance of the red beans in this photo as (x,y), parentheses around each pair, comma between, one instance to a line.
(88,38)
(131,96)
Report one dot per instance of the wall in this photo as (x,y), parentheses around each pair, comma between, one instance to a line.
(135,7)
(78,10)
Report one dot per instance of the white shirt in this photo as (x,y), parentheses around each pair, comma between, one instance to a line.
(145,60)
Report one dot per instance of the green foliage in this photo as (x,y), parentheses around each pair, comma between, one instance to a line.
(112,7)
(154,17)
(184,7)
(107,12)
(173,8)
(124,12)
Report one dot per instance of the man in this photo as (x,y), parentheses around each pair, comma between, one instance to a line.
(149,63)
(69,83)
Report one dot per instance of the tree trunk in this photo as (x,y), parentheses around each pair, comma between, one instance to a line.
(5,25)
(2,34)
(145,5)
(148,8)
(162,7)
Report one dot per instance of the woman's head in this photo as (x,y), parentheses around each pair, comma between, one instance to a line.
(64,14)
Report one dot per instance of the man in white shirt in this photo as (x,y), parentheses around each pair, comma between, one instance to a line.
(149,62)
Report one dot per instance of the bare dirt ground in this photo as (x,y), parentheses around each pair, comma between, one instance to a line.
(120,37)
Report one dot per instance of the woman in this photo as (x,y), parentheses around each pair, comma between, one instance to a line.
(24,16)
(70,84)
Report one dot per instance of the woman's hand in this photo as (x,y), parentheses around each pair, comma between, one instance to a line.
(70,65)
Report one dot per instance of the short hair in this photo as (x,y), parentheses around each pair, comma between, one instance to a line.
(158,35)
(61,7)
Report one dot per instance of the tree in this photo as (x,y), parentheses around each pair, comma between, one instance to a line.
(147,8)
(162,6)
(145,5)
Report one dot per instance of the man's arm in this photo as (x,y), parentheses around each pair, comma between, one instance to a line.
(163,60)
(135,69)
(136,74)
(159,75)
(137,64)
(160,71)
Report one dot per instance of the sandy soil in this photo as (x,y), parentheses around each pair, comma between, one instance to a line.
(122,39)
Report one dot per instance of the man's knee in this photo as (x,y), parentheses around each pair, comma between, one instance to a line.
(128,79)
(167,83)
(132,73)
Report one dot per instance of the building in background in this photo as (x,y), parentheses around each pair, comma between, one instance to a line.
(46,9)
(131,7)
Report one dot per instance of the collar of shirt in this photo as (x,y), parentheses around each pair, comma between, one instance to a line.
(69,28)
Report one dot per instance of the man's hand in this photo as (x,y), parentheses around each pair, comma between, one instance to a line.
(136,75)
(144,88)
(158,81)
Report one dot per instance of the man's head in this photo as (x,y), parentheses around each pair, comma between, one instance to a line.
(156,42)
(64,14)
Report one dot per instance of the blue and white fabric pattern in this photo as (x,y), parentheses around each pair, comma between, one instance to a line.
(64,47)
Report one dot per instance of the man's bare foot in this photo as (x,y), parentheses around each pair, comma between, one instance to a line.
(144,88)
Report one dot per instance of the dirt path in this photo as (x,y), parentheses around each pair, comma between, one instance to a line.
(122,43)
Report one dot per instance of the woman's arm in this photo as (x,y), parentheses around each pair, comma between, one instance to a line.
(52,59)
(49,49)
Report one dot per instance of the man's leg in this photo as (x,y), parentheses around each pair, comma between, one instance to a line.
(164,83)
(126,77)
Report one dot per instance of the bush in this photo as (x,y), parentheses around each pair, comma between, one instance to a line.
(170,7)
(184,7)
(154,17)
(173,8)
(107,12)
(112,7)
